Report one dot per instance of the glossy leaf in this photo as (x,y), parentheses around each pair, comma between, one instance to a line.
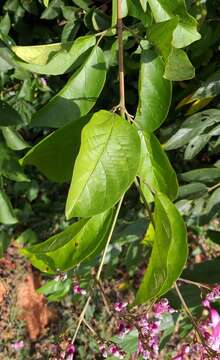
(169,252)
(55,155)
(7,215)
(205,175)
(155,170)
(77,97)
(186,30)
(105,167)
(54,62)
(72,246)
(13,139)
(154,92)
(9,165)
(9,116)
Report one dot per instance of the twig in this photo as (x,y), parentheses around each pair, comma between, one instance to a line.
(190,316)
(103,297)
(121,58)
(195,283)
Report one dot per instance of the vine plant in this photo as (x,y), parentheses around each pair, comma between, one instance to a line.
(104,153)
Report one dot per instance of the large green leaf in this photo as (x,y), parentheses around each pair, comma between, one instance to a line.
(155,170)
(78,96)
(8,116)
(105,167)
(154,92)
(169,252)
(7,215)
(70,247)
(186,30)
(9,165)
(55,155)
(44,59)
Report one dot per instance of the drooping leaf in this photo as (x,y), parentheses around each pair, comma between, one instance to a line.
(55,155)
(105,167)
(54,61)
(154,92)
(8,116)
(192,191)
(77,97)
(7,215)
(186,30)
(155,170)
(205,175)
(9,165)
(13,139)
(72,246)
(169,252)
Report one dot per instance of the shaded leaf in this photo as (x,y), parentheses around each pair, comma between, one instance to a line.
(9,116)
(105,167)
(4,242)
(77,97)
(9,165)
(214,236)
(206,272)
(196,145)
(169,252)
(192,191)
(205,175)
(13,139)
(55,155)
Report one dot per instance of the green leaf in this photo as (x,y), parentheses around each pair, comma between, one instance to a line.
(214,236)
(36,54)
(169,252)
(192,126)
(72,246)
(128,343)
(9,165)
(205,175)
(7,215)
(196,145)
(46,2)
(154,92)
(4,242)
(55,62)
(186,30)
(155,170)
(55,155)
(105,167)
(13,139)
(139,10)
(9,116)
(192,191)
(77,97)
(54,289)
(206,272)
(27,237)
(178,66)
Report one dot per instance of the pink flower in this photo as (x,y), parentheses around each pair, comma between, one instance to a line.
(103,351)
(18,345)
(114,350)
(124,328)
(78,290)
(120,306)
(162,307)
(214,339)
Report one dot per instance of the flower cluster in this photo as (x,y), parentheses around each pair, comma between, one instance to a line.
(78,290)
(111,350)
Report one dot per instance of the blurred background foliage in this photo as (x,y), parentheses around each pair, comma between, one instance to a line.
(32,207)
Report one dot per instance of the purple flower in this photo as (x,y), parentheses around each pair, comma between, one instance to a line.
(103,351)
(214,339)
(18,345)
(120,306)
(78,290)
(115,350)
(212,296)
(124,328)
(162,307)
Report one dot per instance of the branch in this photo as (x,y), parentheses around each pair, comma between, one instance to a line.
(121,58)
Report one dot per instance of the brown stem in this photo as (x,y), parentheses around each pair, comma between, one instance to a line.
(121,58)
